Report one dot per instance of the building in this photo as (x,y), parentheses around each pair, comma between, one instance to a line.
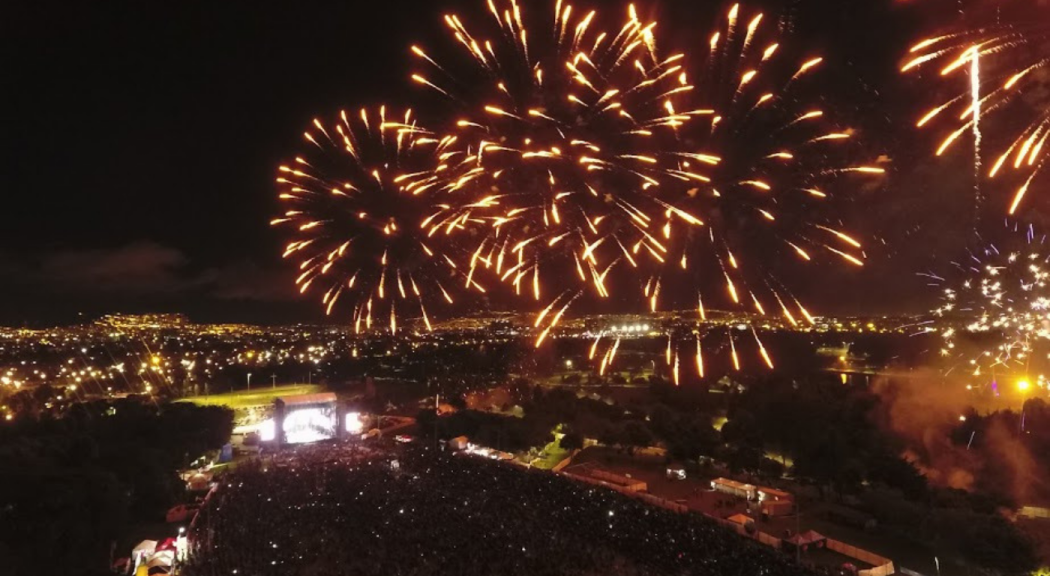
(734,488)
(775,502)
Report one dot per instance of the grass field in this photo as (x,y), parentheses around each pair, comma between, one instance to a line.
(555,453)
(248,398)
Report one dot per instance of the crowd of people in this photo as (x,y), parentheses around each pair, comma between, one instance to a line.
(342,508)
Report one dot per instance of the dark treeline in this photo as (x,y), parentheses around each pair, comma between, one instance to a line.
(828,433)
(70,486)
(1010,451)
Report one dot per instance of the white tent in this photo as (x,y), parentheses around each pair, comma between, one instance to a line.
(741,519)
(145,547)
(163,558)
(811,536)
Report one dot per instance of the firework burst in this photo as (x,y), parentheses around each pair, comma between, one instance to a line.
(775,158)
(999,73)
(372,205)
(995,314)
(770,160)
(571,129)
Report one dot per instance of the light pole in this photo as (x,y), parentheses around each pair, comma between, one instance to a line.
(273,377)
(249,380)
(798,531)
(1023,386)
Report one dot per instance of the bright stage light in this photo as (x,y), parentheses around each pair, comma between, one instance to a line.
(302,425)
(353,423)
(268,431)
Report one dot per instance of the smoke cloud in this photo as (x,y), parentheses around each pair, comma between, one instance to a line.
(925,412)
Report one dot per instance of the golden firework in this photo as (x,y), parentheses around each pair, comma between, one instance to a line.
(372,205)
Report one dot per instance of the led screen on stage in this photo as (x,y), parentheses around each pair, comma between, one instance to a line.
(309,423)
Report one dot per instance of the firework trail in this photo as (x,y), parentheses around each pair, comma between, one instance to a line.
(975,107)
(372,206)
(1004,104)
(994,318)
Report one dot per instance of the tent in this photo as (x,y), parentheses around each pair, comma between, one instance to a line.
(146,547)
(807,539)
(160,563)
(163,558)
(741,519)
(166,544)
(813,537)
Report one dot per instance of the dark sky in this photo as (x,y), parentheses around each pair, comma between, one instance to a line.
(140,141)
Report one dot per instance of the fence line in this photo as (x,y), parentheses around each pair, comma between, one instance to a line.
(882,566)
(648,498)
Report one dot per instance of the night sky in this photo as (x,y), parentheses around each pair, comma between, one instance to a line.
(140,141)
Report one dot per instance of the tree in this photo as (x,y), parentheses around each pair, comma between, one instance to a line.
(63,518)
(770,469)
(69,485)
(987,540)
(571,440)
(742,458)
(687,437)
(636,433)
(458,401)
(662,421)
(425,421)
(896,472)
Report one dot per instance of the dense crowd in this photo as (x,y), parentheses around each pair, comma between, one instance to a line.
(342,509)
